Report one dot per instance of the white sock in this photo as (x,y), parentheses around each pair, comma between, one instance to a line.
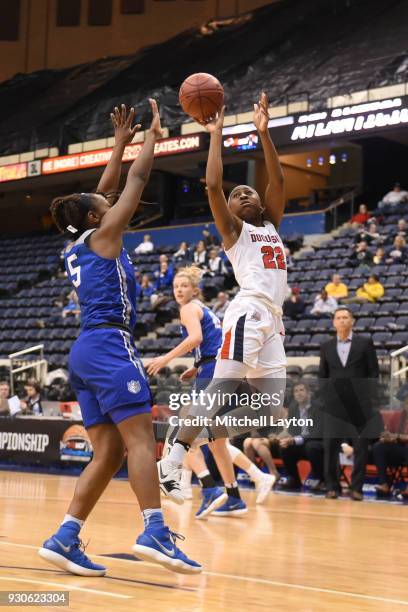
(186,477)
(233,451)
(255,473)
(177,453)
(69,517)
(203,474)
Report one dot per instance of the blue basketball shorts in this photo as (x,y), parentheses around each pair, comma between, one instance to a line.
(204,375)
(108,377)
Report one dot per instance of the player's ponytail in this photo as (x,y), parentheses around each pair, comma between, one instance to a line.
(69,213)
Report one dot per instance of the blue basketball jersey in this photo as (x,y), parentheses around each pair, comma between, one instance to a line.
(212,334)
(106,288)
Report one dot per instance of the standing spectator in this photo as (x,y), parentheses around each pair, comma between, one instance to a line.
(294,305)
(221,305)
(324,304)
(369,292)
(31,404)
(72,308)
(200,255)
(146,246)
(348,367)
(391,450)
(362,216)
(209,239)
(398,252)
(302,441)
(336,288)
(394,197)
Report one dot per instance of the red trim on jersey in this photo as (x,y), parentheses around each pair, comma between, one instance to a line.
(226,345)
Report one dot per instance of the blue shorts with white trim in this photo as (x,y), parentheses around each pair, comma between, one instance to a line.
(108,377)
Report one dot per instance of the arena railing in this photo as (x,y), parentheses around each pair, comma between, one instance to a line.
(19,363)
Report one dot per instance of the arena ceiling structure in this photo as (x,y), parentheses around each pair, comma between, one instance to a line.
(293,49)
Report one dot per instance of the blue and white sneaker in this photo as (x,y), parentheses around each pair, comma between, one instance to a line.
(232,507)
(213,498)
(159,546)
(68,554)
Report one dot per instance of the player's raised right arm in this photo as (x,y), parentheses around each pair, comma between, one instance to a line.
(226,223)
(118,217)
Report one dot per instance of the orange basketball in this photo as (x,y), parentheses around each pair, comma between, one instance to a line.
(201,96)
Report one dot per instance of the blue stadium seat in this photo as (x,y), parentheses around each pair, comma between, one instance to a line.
(364,324)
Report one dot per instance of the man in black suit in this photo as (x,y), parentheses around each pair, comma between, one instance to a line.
(302,440)
(348,374)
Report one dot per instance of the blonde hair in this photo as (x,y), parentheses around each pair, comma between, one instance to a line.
(193,274)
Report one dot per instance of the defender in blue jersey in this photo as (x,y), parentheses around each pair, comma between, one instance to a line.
(105,370)
(202,334)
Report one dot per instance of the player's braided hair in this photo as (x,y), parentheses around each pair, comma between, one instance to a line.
(69,213)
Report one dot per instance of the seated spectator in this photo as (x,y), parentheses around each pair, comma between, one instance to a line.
(394,197)
(362,216)
(209,239)
(200,255)
(402,228)
(361,255)
(302,441)
(215,265)
(72,308)
(262,448)
(398,252)
(164,276)
(367,235)
(336,288)
(9,406)
(294,305)
(289,259)
(221,304)
(379,257)
(31,404)
(146,287)
(4,395)
(146,246)
(370,291)
(183,254)
(324,304)
(391,450)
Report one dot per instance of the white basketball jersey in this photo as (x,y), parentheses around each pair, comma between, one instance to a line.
(259,263)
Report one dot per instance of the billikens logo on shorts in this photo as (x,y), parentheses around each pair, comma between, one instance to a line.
(133,386)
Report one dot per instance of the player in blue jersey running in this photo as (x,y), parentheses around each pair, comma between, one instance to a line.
(105,370)
(202,334)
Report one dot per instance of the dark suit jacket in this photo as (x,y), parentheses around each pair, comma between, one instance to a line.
(314,413)
(349,392)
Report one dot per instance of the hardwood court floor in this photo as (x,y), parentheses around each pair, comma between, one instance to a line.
(293,553)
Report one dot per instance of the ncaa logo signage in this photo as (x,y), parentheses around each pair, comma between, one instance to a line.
(133,386)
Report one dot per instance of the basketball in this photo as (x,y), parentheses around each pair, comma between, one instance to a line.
(201,96)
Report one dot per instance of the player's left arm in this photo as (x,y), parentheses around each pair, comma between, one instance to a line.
(124,134)
(190,317)
(274,200)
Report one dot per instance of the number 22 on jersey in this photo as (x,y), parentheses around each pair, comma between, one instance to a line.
(273,258)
